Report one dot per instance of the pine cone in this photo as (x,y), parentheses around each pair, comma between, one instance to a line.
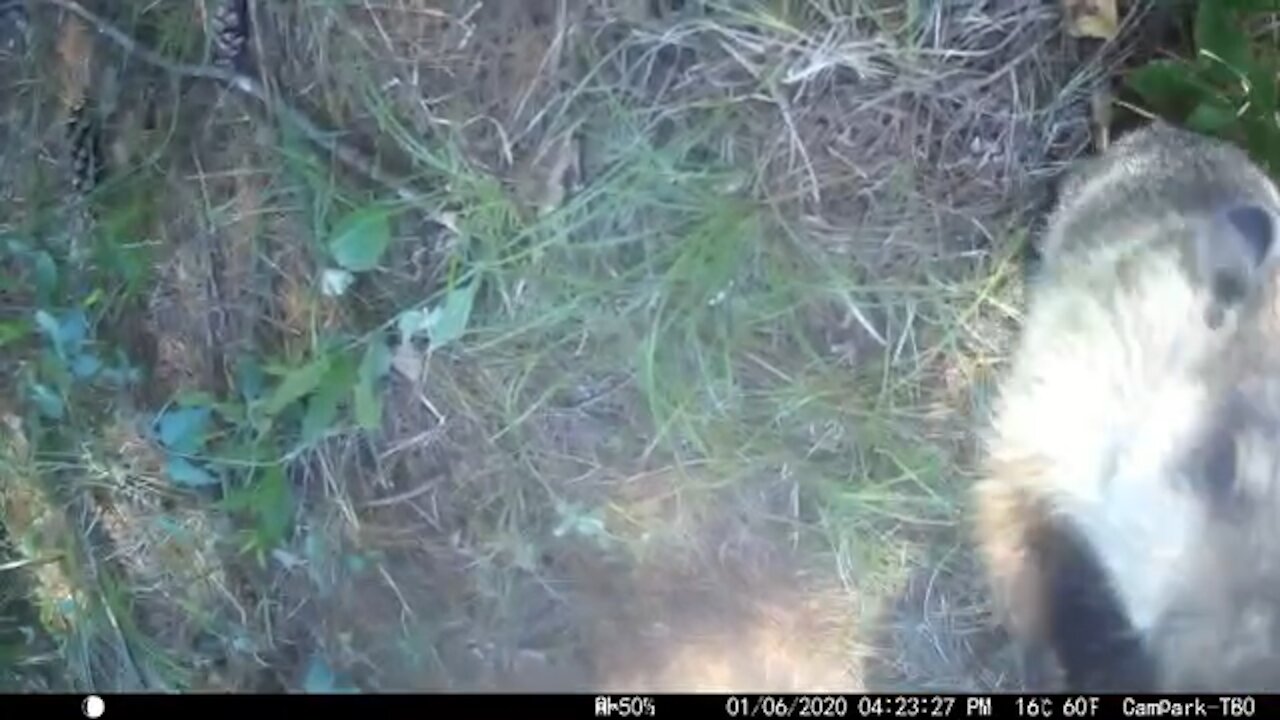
(85,149)
(230,25)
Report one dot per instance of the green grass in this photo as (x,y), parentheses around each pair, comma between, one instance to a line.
(669,375)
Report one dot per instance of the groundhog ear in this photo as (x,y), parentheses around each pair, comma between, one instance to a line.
(1241,238)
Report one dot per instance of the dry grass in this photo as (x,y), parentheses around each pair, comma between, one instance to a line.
(747,269)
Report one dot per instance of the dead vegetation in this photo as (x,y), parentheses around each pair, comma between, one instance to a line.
(745,268)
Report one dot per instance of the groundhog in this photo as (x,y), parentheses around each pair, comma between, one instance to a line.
(1128,509)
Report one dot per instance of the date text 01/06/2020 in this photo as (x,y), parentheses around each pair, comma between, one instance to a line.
(864,706)
(935,706)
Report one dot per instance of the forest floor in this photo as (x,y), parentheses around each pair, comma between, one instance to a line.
(668,374)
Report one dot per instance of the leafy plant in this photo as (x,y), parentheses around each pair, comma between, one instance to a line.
(360,238)
(184,432)
(1229,89)
(375,365)
(444,323)
(321,679)
(267,502)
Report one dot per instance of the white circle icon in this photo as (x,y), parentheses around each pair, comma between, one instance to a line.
(93,707)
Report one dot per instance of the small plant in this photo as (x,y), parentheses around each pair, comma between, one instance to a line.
(1228,89)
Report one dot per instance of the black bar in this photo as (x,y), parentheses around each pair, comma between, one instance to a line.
(625,705)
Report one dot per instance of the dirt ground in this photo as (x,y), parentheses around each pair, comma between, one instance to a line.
(748,268)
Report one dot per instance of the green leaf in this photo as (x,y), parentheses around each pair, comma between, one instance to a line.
(1211,118)
(13,331)
(183,430)
(1220,34)
(1262,139)
(85,366)
(411,322)
(48,324)
(1250,6)
(273,507)
(267,500)
(188,474)
(360,239)
(238,499)
(319,678)
(67,333)
(368,401)
(46,277)
(10,245)
(322,407)
(448,322)
(73,330)
(48,402)
(249,379)
(1170,88)
(297,384)
(1262,90)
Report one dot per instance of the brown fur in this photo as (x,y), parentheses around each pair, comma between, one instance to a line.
(1009,521)
(1130,500)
